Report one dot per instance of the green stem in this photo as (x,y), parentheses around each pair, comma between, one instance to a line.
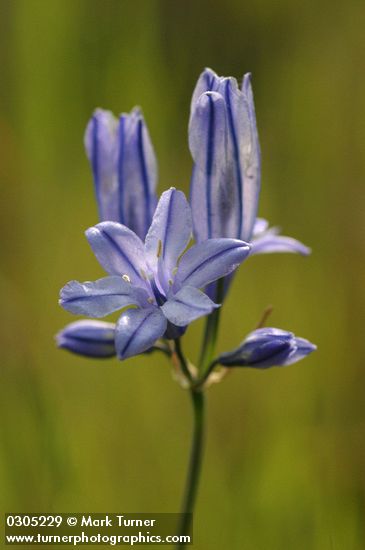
(205,365)
(200,383)
(211,331)
(182,360)
(192,481)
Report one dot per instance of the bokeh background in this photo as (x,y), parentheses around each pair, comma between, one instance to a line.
(284,461)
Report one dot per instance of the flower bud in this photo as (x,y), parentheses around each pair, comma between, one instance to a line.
(267,347)
(88,338)
(124,168)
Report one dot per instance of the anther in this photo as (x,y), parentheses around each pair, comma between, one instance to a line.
(159,248)
(126,278)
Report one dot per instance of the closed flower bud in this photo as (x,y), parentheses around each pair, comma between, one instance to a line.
(88,338)
(226,178)
(225,148)
(267,347)
(124,168)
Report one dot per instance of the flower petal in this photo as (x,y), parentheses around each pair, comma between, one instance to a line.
(303,348)
(99,298)
(208,133)
(137,330)
(187,305)
(137,173)
(170,231)
(88,338)
(101,149)
(211,190)
(245,152)
(270,243)
(119,251)
(209,260)
(260,226)
(252,162)
(208,81)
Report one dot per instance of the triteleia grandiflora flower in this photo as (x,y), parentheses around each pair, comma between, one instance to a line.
(124,168)
(226,178)
(156,277)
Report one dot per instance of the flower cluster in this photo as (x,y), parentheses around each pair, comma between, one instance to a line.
(156,276)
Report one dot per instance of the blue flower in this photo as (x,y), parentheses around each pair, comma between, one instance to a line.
(89,338)
(159,278)
(226,177)
(124,168)
(267,347)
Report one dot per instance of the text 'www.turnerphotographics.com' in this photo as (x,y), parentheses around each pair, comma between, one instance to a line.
(88,528)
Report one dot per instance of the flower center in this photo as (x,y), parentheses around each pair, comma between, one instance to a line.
(160,298)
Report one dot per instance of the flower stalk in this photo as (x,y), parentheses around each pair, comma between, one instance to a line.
(211,331)
(195,464)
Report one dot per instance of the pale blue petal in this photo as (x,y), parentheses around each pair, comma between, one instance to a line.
(252,159)
(169,233)
(101,149)
(303,348)
(268,332)
(119,251)
(211,194)
(270,243)
(207,81)
(212,201)
(246,169)
(137,173)
(208,261)
(187,305)
(88,338)
(101,297)
(137,330)
(208,133)
(261,225)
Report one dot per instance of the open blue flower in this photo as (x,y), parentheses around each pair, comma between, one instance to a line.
(159,278)
(226,179)
(267,347)
(124,168)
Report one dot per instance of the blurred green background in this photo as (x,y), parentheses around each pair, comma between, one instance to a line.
(284,461)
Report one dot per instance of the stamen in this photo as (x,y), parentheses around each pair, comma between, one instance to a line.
(159,248)
(144,276)
(171,282)
(126,278)
(174,271)
(150,300)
